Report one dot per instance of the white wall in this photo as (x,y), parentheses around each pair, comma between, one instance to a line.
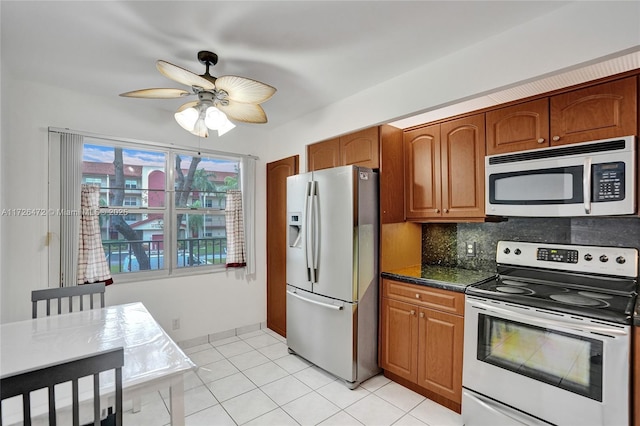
(575,34)
(204,303)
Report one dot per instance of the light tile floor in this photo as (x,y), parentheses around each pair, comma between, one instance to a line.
(252,379)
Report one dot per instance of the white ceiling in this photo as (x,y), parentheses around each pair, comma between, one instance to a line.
(314,53)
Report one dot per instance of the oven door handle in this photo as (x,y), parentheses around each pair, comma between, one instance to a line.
(547,322)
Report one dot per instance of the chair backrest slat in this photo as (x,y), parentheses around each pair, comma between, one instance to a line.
(69,293)
(68,371)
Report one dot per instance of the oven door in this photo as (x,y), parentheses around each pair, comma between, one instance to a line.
(560,368)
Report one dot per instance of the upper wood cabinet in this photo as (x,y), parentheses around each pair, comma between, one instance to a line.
(602,111)
(444,170)
(606,110)
(391,175)
(518,127)
(323,155)
(359,148)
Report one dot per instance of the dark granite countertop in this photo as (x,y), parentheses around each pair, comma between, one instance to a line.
(446,278)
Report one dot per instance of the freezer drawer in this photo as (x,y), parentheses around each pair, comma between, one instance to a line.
(322,330)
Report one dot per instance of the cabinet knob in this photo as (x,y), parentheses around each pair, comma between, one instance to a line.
(412,312)
(437,210)
(417,295)
(421,314)
(446,210)
(541,140)
(556,138)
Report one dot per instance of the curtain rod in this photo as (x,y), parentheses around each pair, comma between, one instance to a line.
(144,142)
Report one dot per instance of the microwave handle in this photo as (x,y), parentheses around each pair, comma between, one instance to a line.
(586,185)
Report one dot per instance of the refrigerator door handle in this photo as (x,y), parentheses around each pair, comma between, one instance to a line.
(307,229)
(312,221)
(315,302)
(316,233)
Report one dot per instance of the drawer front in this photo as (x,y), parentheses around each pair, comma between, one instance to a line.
(429,297)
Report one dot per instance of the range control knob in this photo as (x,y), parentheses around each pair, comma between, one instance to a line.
(604,258)
(517,252)
(588,257)
(506,251)
(620,260)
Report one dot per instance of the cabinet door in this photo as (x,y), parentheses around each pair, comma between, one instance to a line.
(277,173)
(422,171)
(360,149)
(463,150)
(391,175)
(399,338)
(440,353)
(603,111)
(518,127)
(323,155)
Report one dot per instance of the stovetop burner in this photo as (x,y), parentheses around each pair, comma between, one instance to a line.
(596,282)
(578,299)
(595,295)
(514,290)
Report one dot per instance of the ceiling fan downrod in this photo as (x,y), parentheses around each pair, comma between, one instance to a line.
(208,59)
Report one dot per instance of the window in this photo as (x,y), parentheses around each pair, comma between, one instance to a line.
(130,201)
(147,228)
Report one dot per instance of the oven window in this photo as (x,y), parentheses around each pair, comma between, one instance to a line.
(567,361)
(561,185)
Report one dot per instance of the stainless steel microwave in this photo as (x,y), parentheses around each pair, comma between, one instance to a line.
(587,179)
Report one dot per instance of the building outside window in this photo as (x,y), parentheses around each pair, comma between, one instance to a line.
(153,229)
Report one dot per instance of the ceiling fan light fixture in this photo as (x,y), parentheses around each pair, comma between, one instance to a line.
(218,120)
(201,117)
(187,118)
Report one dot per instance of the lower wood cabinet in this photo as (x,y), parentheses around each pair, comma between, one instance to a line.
(422,331)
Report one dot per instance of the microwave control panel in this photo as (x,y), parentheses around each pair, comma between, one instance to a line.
(608,182)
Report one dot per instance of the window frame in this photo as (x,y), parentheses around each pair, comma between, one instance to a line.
(170,210)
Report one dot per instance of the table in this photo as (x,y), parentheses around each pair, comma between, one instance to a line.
(152,360)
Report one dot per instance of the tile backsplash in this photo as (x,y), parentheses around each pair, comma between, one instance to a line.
(445,244)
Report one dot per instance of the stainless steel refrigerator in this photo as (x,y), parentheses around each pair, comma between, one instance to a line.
(332,270)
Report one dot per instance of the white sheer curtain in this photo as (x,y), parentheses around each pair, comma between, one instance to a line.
(70,181)
(234,219)
(248,181)
(92,264)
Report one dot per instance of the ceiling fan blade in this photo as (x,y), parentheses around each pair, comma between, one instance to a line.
(183,76)
(156,93)
(248,113)
(244,90)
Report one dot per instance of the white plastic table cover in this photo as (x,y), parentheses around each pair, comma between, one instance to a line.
(152,360)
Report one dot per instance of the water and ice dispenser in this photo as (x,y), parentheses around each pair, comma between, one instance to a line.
(295,229)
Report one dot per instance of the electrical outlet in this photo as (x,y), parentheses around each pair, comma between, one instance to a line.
(471,249)
(175,324)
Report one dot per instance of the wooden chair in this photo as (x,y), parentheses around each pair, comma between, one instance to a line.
(79,291)
(69,371)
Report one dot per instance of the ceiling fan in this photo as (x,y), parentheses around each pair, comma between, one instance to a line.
(219,98)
